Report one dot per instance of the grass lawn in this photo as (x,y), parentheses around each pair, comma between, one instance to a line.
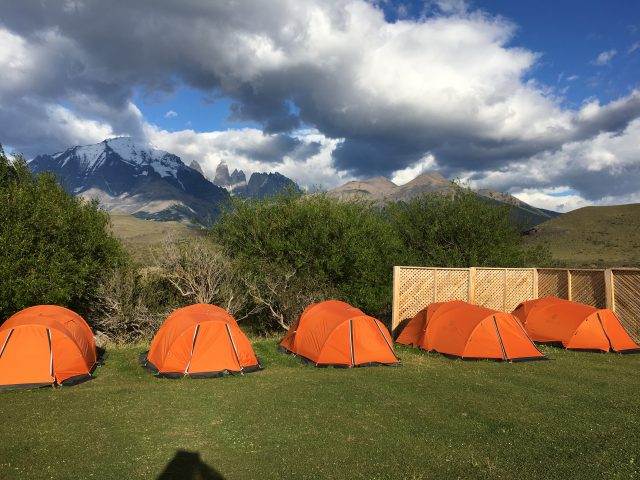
(576,416)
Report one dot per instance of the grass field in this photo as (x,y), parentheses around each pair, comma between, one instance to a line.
(594,236)
(575,416)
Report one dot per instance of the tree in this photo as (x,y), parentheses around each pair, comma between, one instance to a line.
(347,247)
(461,230)
(54,247)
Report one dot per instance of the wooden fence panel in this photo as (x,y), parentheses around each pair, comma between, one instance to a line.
(489,288)
(587,286)
(553,283)
(519,286)
(626,294)
(414,289)
(451,284)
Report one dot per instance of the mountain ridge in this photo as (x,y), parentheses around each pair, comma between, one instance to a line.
(382,190)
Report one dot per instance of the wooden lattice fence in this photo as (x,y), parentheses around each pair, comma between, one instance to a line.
(504,288)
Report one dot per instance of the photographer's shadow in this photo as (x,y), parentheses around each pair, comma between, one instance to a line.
(188,466)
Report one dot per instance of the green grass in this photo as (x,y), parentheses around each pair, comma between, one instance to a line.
(594,236)
(575,416)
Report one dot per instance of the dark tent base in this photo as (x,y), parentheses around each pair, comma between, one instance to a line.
(21,386)
(477,359)
(69,382)
(629,351)
(147,365)
(307,361)
(77,380)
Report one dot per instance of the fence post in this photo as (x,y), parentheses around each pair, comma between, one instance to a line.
(535,282)
(472,285)
(609,290)
(569,294)
(395,307)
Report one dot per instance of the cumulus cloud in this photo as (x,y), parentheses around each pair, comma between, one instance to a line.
(605,58)
(171,114)
(447,86)
(599,170)
(305,156)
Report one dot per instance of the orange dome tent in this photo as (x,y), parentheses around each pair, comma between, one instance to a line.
(45,345)
(459,329)
(200,341)
(335,333)
(574,325)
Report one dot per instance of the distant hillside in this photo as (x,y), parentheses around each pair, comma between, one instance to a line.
(139,236)
(381,190)
(134,230)
(593,236)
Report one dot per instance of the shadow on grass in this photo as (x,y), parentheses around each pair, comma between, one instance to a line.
(188,466)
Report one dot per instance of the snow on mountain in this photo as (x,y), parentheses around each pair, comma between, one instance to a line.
(92,157)
(137,178)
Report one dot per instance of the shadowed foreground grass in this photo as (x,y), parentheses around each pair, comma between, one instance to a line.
(576,416)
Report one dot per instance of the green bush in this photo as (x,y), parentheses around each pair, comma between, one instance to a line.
(54,247)
(293,250)
(347,246)
(461,230)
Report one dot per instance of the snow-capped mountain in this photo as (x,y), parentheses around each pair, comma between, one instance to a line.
(135,178)
(260,185)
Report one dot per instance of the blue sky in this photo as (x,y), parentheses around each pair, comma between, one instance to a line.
(540,99)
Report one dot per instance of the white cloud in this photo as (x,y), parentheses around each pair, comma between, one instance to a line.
(425,164)
(551,199)
(635,46)
(604,58)
(170,114)
(239,148)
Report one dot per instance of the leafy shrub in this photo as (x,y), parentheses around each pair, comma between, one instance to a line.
(344,246)
(55,247)
(462,230)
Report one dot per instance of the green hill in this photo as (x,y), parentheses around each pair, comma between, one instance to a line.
(593,236)
(138,234)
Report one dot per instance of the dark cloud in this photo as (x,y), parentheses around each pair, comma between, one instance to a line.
(272,149)
(393,92)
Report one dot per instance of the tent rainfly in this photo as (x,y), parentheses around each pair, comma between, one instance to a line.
(45,345)
(574,325)
(334,333)
(200,341)
(459,329)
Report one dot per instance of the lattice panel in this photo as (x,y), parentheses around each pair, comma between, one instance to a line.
(489,288)
(518,288)
(588,287)
(452,285)
(552,283)
(417,287)
(626,286)
(416,291)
